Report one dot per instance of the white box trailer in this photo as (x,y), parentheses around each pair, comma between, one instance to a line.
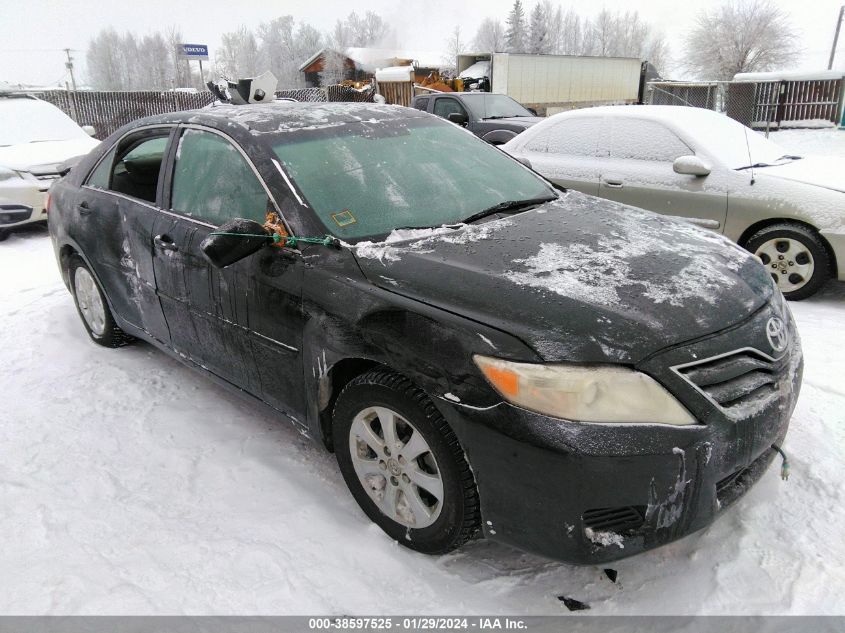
(551,83)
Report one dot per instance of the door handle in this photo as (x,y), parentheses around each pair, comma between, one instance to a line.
(83,208)
(165,243)
(614,184)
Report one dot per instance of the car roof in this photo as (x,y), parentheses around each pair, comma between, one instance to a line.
(665,113)
(280,116)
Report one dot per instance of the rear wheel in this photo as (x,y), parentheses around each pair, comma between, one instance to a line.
(93,308)
(403,463)
(794,256)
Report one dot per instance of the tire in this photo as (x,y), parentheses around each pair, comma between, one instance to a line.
(379,478)
(795,257)
(93,308)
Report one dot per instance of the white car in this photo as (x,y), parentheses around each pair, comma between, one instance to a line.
(35,138)
(709,169)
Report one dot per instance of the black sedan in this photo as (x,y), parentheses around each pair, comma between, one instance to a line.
(502,359)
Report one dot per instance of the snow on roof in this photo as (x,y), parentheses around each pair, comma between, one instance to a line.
(371,58)
(395,73)
(795,75)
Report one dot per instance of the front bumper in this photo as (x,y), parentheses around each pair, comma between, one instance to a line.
(22,201)
(593,493)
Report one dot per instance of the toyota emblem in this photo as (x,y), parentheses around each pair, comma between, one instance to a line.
(776,333)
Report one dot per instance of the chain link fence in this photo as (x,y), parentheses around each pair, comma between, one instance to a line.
(761,105)
(109,111)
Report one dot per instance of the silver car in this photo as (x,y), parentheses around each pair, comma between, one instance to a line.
(715,172)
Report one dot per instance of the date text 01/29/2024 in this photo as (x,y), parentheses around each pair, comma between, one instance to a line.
(416,623)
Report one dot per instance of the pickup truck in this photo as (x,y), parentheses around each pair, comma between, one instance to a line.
(496,118)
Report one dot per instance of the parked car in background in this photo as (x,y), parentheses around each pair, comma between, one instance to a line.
(35,138)
(493,117)
(590,379)
(705,167)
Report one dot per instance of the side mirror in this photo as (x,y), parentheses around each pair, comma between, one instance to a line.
(458,118)
(690,166)
(90,130)
(498,137)
(234,241)
(524,161)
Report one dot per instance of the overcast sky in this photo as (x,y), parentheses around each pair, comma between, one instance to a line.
(34,31)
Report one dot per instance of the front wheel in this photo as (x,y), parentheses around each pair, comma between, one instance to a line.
(794,256)
(403,464)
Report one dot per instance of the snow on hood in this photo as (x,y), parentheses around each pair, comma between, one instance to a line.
(827,172)
(27,155)
(578,278)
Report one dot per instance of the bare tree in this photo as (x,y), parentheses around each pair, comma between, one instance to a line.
(454,47)
(490,37)
(571,34)
(358,31)
(740,36)
(238,54)
(515,37)
(181,77)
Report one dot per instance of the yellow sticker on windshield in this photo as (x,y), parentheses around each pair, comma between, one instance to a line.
(344,218)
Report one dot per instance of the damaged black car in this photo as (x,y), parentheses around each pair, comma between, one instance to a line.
(485,354)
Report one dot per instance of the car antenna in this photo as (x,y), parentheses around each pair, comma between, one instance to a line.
(748,148)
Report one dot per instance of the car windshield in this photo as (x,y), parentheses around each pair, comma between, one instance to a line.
(365,179)
(491,106)
(31,121)
(726,140)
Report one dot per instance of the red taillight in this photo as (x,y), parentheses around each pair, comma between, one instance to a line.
(49,199)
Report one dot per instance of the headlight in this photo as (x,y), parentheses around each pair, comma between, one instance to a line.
(8,174)
(586,394)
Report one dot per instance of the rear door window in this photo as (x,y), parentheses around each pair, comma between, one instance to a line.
(133,167)
(572,137)
(421,103)
(635,139)
(213,182)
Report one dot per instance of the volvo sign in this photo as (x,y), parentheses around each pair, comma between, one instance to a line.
(195,51)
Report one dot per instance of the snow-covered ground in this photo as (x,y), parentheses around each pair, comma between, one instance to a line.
(131,484)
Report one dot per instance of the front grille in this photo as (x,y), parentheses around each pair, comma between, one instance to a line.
(738,380)
(621,519)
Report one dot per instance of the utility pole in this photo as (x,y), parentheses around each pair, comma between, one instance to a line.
(69,65)
(836,37)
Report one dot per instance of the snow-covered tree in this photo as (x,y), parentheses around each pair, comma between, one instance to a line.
(237,55)
(538,31)
(334,68)
(358,31)
(283,47)
(490,37)
(515,37)
(740,36)
(104,62)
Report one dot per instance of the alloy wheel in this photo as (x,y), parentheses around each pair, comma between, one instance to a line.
(89,300)
(396,467)
(788,261)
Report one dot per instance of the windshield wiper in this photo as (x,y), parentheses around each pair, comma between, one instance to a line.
(509,205)
(775,164)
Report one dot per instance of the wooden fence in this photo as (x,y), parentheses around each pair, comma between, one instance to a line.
(758,104)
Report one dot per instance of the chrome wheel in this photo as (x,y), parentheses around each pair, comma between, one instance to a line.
(396,467)
(89,301)
(788,261)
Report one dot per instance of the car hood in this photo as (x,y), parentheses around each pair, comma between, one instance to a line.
(522,121)
(578,279)
(44,154)
(827,172)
